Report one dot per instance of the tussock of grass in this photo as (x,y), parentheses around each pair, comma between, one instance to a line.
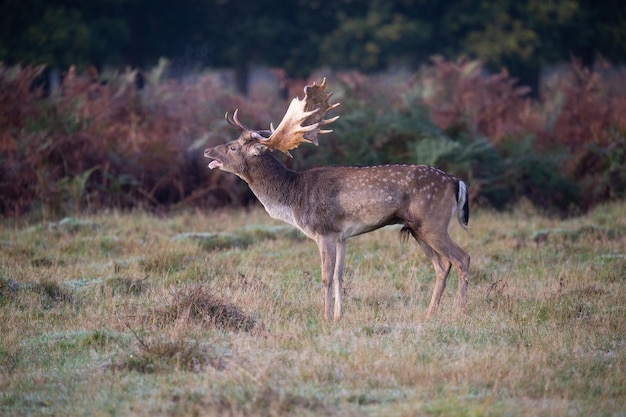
(196,303)
(274,402)
(163,355)
(49,292)
(165,262)
(53,291)
(8,288)
(244,401)
(126,285)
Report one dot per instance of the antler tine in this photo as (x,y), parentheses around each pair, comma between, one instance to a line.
(303,119)
(234,121)
(230,120)
(328,121)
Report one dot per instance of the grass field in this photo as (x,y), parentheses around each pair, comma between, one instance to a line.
(214,314)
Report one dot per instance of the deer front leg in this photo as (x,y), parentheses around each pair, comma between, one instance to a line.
(338,278)
(328,252)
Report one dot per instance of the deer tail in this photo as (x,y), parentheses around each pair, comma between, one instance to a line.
(462,206)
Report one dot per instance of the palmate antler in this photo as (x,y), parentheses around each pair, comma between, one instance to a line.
(301,123)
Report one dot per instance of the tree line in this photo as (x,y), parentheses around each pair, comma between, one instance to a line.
(302,35)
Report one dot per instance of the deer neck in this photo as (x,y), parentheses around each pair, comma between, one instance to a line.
(275,187)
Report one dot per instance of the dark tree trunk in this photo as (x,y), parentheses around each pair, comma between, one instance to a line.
(241,77)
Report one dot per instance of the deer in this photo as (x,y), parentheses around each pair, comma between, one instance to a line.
(330,204)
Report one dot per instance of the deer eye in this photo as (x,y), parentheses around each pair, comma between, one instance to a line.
(233,148)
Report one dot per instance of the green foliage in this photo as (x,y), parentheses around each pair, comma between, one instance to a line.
(303,36)
(372,40)
(502,175)
(537,176)
(384,125)
(62,34)
(531,148)
(97,145)
(586,116)
(72,189)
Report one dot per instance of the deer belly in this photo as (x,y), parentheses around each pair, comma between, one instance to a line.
(355,229)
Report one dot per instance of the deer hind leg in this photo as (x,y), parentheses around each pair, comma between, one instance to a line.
(449,250)
(462,267)
(442,269)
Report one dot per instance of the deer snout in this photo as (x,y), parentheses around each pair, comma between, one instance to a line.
(210,153)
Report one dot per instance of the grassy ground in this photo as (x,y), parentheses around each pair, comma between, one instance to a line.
(221,314)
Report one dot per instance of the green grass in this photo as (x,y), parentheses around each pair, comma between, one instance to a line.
(216,313)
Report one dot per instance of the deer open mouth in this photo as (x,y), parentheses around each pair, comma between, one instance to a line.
(216,163)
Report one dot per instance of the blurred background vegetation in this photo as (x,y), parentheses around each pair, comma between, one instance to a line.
(523,99)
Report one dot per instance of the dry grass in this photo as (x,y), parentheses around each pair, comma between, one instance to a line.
(116,314)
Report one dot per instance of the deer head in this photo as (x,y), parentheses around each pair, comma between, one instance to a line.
(302,122)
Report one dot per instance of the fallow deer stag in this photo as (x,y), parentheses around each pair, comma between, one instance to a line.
(331,204)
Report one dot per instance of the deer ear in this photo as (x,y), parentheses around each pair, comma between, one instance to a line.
(258,149)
